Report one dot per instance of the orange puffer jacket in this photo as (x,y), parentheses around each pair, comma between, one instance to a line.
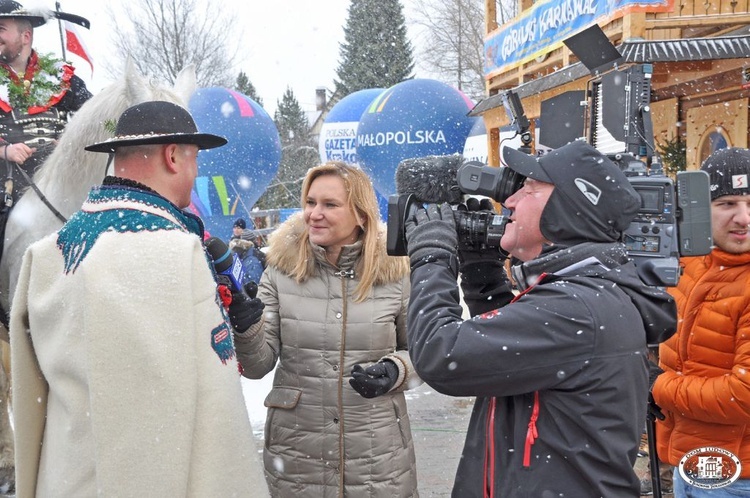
(705,390)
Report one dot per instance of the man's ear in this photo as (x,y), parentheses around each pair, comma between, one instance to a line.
(27,38)
(171,157)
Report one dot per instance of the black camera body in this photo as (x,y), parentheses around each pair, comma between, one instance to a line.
(477,230)
(674,220)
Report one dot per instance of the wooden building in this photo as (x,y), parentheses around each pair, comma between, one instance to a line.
(696,50)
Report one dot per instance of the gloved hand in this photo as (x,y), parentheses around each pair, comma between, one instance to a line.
(473,260)
(431,234)
(374,380)
(483,279)
(654,410)
(245,309)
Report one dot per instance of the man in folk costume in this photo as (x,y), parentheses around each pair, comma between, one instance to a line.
(37,95)
(125,377)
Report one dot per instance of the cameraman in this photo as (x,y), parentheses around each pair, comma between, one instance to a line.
(559,371)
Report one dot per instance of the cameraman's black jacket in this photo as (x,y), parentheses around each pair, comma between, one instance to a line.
(560,373)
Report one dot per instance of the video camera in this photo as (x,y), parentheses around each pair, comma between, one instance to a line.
(477,230)
(675,215)
(673,221)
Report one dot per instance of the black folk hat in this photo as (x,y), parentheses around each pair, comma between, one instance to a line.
(156,122)
(14,10)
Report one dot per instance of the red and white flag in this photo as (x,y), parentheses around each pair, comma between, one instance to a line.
(75,44)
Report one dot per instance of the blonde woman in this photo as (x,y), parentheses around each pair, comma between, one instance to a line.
(335,321)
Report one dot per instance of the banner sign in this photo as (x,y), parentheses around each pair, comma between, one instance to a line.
(543,27)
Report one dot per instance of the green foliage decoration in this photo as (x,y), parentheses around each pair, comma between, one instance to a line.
(673,154)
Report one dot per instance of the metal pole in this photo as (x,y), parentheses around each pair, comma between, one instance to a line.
(60,27)
(653,458)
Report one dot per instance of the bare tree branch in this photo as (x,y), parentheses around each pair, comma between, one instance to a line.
(163,36)
(453,41)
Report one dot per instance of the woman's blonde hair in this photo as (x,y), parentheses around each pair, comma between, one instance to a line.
(363,203)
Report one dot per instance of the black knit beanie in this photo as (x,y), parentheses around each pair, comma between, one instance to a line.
(728,170)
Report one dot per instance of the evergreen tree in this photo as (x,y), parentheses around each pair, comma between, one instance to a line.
(245,87)
(298,154)
(376,52)
(290,120)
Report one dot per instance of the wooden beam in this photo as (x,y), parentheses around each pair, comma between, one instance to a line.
(694,101)
(493,147)
(634,25)
(739,20)
(490,16)
(722,78)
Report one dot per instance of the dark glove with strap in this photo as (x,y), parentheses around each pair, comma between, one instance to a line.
(245,309)
(374,380)
(431,235)
(476,262)
(654,410)
(483,279)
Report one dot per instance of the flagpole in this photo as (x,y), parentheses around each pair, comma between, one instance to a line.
(59,25)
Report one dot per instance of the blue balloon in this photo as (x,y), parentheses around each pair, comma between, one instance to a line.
(232,178)
(414,118)
(338,135)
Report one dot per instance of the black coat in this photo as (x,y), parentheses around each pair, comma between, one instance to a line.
(570,351)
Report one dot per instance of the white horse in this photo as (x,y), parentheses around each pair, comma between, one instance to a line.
(65,178)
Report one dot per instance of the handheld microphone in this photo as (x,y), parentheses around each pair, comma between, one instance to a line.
(430,179)
(226,263)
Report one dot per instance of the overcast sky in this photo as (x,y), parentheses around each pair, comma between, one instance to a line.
(284,43)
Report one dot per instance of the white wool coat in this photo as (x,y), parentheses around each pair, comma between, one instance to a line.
(117,388)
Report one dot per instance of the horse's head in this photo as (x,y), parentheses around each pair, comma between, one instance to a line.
(70,171)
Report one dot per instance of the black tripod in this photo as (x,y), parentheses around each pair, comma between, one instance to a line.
(653,458)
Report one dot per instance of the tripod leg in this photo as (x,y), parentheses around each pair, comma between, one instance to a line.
(653,458)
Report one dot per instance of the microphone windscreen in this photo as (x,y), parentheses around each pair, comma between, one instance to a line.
(220,254)
(430,178)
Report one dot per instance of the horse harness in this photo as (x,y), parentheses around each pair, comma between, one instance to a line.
(39,130)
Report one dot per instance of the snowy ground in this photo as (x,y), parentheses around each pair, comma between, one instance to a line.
(255,392)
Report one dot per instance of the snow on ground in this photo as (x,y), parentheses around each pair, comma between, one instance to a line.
(255,391)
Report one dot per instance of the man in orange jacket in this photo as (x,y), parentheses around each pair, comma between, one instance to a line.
(704,390)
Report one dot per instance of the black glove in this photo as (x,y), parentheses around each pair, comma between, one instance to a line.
(374,380)
(654,410)
(483,279)
(245,309)
(473,260)
(431,234)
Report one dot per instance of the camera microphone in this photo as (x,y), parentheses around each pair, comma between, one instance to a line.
(226,263)
(430,179)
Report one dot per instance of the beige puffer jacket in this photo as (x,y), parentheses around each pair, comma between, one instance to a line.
(322,439)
